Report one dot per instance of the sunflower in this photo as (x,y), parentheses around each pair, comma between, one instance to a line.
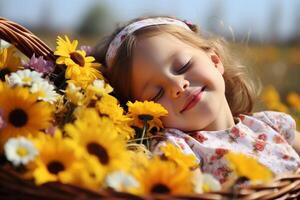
(147,109)
(22,113)
(173,153)
(81,69)
(2,84)
(8,61)
(249,167)
(164,177)
(108,105)
(100,141)
(58,160)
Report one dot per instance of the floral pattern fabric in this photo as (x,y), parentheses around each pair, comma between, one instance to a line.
(266,136)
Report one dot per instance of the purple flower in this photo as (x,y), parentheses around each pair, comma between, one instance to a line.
(39,65)
(88,49)
(2,122)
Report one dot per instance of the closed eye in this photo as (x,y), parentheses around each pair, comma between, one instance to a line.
(184,68)
(159,95)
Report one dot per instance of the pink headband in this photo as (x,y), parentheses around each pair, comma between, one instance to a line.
(120,37)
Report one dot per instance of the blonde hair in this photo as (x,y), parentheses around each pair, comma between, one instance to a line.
(240,89)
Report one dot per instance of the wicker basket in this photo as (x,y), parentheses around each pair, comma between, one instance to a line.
(12,186)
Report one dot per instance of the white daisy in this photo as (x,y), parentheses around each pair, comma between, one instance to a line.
(24,78)
(121,181)
(45,91)
(20,151)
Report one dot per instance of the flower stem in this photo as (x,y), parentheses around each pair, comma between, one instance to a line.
(145,127)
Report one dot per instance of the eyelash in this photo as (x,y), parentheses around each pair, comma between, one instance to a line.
(159,95)
(184,68)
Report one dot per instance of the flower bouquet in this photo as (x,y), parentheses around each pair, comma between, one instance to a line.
(63,135)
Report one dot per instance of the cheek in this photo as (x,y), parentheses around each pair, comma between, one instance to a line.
(168,121)
(204,75)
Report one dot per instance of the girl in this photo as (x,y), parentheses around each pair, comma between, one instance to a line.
(208,95)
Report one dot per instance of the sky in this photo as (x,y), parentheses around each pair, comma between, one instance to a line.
(230,16)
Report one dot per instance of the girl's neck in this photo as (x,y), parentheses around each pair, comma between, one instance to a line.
(224,119)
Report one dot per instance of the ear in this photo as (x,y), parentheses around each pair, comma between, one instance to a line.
(215,58)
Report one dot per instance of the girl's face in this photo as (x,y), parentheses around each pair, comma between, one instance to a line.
(186,80)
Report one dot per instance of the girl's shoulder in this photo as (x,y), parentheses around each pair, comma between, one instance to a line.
(282,123)
(277,120)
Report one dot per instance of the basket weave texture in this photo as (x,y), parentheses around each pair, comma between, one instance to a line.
(12,186)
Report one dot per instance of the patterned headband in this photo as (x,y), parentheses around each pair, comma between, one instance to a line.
(122,35)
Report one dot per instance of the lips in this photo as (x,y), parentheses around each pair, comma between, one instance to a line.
(193,99)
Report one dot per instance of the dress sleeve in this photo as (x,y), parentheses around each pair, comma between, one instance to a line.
(175,140)
(283,123)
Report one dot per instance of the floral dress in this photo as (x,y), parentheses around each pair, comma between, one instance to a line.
(266,136)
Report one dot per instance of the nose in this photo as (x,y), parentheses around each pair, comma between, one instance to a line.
(178,86)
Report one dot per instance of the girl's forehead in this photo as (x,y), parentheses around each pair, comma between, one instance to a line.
(159,48)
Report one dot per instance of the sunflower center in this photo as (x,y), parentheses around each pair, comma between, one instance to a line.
(160,188)
(55,167)
(77,58)
(145,117)
(99,151)
(18,117)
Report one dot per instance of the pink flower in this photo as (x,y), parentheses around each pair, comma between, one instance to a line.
(285,157)
(221,152)
(278,139)
(262,136)
(236,133)
(222,173)
(39,65)
(259,145)
(213,158)
(199,137)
